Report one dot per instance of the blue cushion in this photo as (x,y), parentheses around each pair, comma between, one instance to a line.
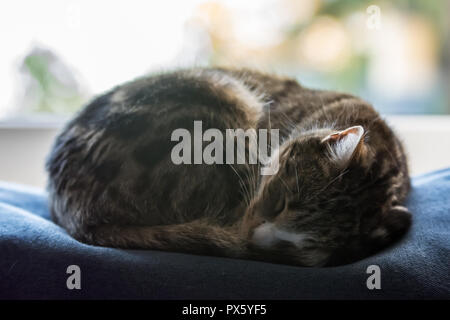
(35,254)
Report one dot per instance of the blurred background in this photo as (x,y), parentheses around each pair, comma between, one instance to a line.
(57,54)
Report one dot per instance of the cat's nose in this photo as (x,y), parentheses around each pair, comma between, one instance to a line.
(264,235)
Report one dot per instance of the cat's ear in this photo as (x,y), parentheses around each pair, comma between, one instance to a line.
(392,226)
(344,144)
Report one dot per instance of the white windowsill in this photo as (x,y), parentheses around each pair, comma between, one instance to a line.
(34,122)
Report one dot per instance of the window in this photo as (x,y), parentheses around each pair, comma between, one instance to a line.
(57,54)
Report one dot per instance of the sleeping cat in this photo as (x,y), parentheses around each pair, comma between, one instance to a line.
(336,196)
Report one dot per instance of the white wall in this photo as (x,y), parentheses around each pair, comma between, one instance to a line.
(426,139)
(23,149)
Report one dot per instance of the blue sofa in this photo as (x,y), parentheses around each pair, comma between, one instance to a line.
(35,254)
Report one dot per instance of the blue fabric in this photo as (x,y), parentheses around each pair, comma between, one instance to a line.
(35,253)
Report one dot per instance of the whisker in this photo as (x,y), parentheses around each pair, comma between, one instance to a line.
(285,184)
(296,179)
(243,186)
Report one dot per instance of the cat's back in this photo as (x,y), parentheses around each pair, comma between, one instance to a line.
(112,162)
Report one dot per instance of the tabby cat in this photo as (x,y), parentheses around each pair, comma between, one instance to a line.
(336,197)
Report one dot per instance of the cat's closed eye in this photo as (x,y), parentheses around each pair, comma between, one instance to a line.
(272,206)
(280,205)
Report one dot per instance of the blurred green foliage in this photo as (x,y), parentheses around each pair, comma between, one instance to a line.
(50,86)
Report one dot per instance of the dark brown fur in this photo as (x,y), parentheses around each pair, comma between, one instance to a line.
(112,181)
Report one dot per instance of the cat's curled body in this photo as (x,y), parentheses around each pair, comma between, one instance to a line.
(336,197)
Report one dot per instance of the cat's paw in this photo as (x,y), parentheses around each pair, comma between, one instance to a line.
(394,224)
